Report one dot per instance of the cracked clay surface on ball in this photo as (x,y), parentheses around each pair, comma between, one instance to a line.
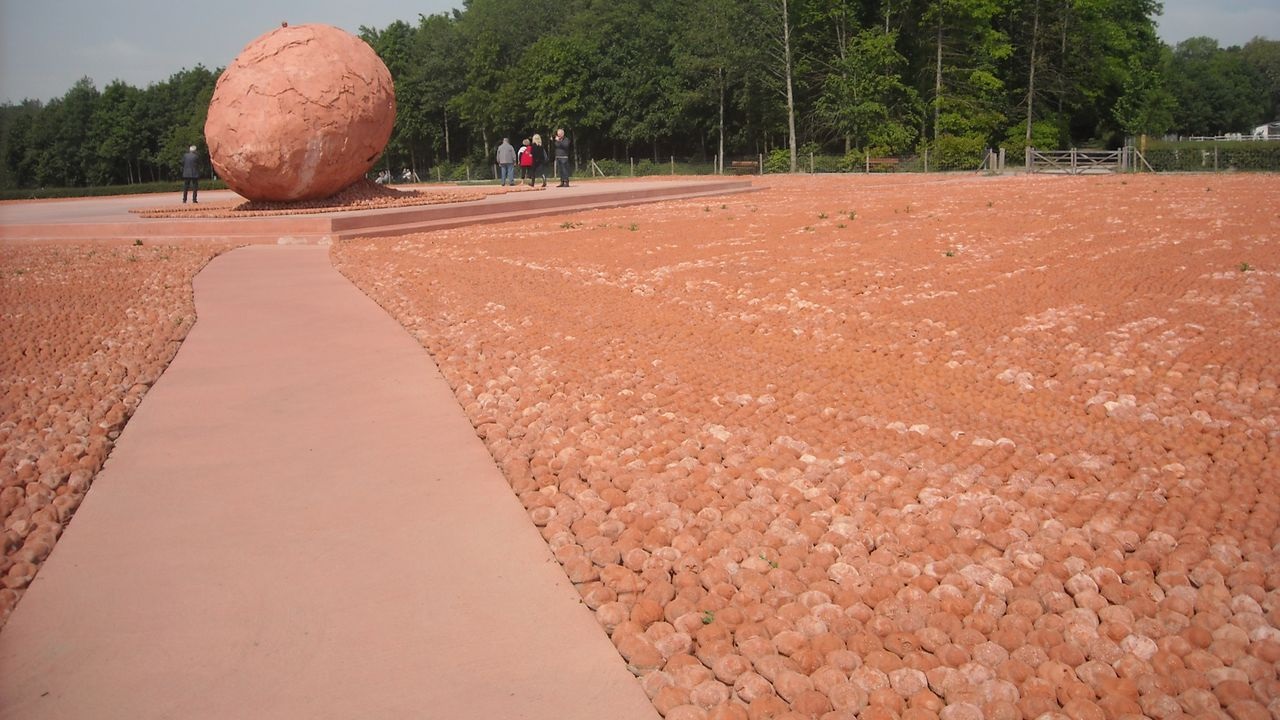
(300,114)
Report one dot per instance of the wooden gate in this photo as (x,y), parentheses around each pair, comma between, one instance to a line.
(1080,162)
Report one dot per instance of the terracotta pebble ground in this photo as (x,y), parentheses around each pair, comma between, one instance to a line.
(85,329)
(1159,487)
(909,446)
(362,195)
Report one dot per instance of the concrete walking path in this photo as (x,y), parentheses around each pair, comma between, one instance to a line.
(299,522)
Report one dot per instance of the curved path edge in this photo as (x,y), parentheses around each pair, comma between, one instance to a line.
(298,521)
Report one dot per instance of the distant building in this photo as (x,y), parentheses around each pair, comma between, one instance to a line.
(1270,131)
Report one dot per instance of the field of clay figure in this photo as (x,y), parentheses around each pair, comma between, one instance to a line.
(85,329)
(844,447)
(891,446)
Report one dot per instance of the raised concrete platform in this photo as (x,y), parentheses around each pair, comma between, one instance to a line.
(299,522)
(110,218)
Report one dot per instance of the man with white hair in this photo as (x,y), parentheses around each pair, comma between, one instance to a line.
(190,174)
(562,158)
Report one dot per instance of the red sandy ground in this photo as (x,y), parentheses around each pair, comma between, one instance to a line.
(86,328)
(879,444)
(361,195)
(907,446)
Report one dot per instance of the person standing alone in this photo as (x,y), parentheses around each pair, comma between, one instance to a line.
(562,158)
(507,163)
(190,174)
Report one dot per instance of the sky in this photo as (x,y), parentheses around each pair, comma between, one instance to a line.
(47,45)
(1230,22)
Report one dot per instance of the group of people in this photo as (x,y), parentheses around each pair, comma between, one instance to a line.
(406,175)
(532,160)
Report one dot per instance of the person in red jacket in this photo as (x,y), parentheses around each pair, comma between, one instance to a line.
(526,162)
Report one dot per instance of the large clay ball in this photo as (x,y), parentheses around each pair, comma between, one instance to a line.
(300,114)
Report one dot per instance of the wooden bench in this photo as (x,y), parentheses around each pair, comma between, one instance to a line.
(886,164)
(743,167)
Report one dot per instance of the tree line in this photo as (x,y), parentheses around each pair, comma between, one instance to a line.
(117,136)
(662,78)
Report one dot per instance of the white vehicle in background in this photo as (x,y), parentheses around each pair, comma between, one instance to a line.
(1270,131)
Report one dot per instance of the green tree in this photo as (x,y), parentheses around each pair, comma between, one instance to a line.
(1146,107)
(967,93)
(557,74)
(823,32)
(7,138)
(867,100)
(717,77)
(1071,63)
(711,47)
(395,46)
(428,67)
(436,78)
(44,161)
(1216,90)
(17,140)
(114,136)
(75,118)
(170,116)
(776,26)
(1105,39)
(478,104)
(1263,56)
(495,35)
(189,92)
(634,76)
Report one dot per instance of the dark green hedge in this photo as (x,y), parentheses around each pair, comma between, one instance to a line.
(1200,156)
(137,189)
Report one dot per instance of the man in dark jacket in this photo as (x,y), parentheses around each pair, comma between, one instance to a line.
(562,158)
(190,174)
